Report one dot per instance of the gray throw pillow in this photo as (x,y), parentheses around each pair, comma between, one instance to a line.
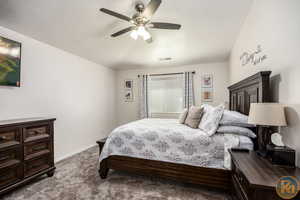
(211,119)
(183,116)
(236,130)
(194,117)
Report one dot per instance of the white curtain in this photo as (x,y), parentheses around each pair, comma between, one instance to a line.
(189,98)
(143,93)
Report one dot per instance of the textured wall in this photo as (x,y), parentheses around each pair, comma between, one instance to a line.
(274,24)
(79,93)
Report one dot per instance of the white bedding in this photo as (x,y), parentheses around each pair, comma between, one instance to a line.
(169,141)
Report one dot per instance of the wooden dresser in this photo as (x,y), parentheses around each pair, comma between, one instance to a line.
(256,178)
(26,151)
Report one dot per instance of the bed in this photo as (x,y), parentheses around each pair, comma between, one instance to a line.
(165,148)
(169,141)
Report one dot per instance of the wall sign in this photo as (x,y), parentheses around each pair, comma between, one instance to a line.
(254,58)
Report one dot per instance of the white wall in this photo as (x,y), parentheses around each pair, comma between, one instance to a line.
(129,111)
(79,93)
(275,25)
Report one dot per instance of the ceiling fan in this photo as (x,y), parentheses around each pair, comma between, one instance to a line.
(141,21)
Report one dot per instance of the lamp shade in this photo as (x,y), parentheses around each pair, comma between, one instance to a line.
(267,114)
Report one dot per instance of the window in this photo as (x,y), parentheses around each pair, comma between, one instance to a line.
(165,94)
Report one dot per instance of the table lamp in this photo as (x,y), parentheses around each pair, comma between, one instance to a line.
(266,115)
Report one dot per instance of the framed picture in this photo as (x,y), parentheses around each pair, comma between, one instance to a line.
(207,81)
(128,95)
(10,62)
(207,95)
(128,84)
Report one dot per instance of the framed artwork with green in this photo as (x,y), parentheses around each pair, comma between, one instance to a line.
(10,62)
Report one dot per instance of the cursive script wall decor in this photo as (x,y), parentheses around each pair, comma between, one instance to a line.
(254,58)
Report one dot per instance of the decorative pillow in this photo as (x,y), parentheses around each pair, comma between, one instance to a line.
(211,118)
(236,130)
(183,116)
(233,118)
(194,116)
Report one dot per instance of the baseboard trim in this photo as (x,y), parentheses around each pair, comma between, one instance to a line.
(74,153)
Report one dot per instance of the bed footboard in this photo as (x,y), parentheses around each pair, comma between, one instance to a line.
(210,177)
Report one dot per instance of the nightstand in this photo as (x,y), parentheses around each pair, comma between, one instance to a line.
(255,178)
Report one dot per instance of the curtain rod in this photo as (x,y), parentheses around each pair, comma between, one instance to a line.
(167,74)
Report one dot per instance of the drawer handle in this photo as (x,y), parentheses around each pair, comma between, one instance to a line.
(39,131)
(5,177)
(38,148)
(34,133)
(3,137)
(35,166)
(4,158)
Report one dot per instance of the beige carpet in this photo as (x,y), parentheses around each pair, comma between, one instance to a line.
(77,178)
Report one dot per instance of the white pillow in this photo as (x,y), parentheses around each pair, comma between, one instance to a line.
(211,118)
(236,130)
(183,116)
(233,118)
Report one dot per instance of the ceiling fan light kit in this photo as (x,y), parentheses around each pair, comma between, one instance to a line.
(134,35)
(142,32)
(141,21)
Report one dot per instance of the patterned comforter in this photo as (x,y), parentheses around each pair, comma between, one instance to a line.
(167,140)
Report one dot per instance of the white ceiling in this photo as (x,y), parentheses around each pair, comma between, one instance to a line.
(209,29)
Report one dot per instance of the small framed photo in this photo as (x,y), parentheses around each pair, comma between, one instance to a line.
(128,84)
(128,95)
(207,81)
(207,95)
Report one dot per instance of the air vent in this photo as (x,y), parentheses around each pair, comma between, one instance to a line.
(165,59)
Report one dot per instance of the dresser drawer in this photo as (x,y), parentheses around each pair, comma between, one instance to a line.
(10,175)
(35,149)
(241,179)
(238,190)
(36,132)
(10,155)
(9,137)
(36,165)
(26,151)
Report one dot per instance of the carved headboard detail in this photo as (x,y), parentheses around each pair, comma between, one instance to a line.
(254,89)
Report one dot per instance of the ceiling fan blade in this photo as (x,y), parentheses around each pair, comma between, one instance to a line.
(161,25)
(151,8)
(118,15)
(121,32)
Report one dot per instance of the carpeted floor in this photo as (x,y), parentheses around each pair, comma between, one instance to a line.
(77,178)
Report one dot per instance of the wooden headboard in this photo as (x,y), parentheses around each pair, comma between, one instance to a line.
(254,89)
